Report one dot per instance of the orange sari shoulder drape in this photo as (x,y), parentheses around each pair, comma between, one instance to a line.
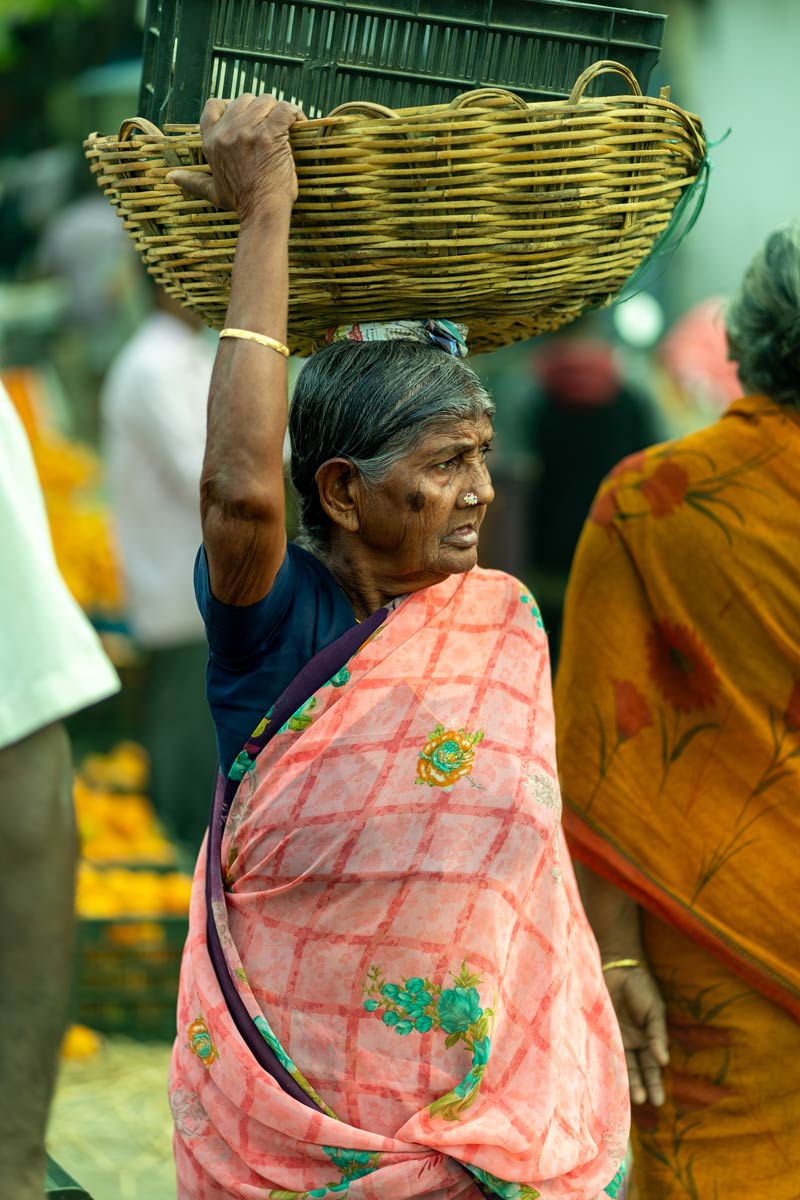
(678,690)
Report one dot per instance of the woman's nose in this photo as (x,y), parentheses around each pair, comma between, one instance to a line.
(482,484)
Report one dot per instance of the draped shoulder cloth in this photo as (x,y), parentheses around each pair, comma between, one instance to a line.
(389,988)
(678,689)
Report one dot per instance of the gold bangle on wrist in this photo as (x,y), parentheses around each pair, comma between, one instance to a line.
(262,339)
(622,962)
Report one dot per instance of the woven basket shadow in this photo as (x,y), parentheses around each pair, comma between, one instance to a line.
(514,218)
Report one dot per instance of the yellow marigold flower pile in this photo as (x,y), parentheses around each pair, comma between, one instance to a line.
(70,476)
(120,837)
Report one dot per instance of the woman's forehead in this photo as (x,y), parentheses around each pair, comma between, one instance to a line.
(472,432)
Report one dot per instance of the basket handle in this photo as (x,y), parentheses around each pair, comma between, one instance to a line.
(468,99)
(138,125)
(134,125)
(603,67)
(361,108)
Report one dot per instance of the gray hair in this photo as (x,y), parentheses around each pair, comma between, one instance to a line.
(763,319)
(371,403)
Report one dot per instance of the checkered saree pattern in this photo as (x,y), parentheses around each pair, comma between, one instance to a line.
(402,923)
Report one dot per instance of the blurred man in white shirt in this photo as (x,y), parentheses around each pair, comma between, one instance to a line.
(154,422)
(51,666)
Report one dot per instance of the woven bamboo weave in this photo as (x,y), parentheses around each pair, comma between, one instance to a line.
(511,217)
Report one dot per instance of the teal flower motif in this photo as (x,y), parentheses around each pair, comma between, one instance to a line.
(458,1008)
(480,1051)
(241,765)
(415,986)
(617,1183)
(468,1083)
(340,678)
(404,1028)
(203,1046)
(423,1024)
(390,1018)
(371,1005)
(534,609)
(391,991)
(414,1003)
(414,1010)
(301,719)
(342,1158)
(498,1187)
(447,755)
(265,1029)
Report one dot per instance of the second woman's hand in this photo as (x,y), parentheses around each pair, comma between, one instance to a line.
(642,1022)
(246,144)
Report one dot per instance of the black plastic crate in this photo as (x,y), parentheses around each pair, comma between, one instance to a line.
(400,53)
(126,975)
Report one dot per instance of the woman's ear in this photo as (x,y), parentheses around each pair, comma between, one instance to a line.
(340,492)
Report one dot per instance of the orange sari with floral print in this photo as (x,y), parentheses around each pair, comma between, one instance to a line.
(678,715)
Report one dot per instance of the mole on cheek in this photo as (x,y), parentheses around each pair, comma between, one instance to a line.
(415,501)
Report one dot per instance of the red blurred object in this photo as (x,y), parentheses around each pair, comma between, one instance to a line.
(695,355)
(579,371)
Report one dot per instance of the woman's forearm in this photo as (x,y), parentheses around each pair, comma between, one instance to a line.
(242,489)
(612,914)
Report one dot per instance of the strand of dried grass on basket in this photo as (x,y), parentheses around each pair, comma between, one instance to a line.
(513,218)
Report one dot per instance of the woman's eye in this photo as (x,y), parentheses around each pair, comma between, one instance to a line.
(446,466)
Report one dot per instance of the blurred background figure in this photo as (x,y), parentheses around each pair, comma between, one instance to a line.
(586,416)
(85,249)
(697,379)
(153,413)
(52,665)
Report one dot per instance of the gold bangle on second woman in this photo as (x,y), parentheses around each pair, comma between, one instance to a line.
(622,962)
(247,335)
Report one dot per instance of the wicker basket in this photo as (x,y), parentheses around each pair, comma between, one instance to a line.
(512,218)
(321,53)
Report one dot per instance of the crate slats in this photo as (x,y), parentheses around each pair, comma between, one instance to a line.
(400,53)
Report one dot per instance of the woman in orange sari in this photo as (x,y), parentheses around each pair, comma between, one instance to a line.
(678,708)
(389,987)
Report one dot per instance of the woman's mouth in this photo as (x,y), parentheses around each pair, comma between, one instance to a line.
(463,537)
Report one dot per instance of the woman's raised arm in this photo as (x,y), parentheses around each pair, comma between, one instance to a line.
(246,143)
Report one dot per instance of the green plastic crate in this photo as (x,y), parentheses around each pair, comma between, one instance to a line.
(400,53)
(126,975)
(58,1185)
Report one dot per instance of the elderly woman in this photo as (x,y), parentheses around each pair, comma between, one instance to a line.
(389,987)
(678,702)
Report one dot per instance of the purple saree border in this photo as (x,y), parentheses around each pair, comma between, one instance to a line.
(314,675)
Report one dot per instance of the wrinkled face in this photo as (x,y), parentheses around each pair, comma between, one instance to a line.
(417,526)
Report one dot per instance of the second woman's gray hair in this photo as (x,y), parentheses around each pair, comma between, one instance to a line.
(372,403)
(763,319)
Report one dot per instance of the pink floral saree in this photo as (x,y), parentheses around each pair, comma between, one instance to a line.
(389,988)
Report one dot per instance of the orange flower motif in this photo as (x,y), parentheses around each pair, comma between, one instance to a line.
(693,1092)
(631,709)
(665,489)
(681,667)
(633,462)
(604,508)
(447,755)
(201,1043)
(791,717)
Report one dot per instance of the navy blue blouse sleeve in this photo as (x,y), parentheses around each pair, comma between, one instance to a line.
(257,650)
(236,635)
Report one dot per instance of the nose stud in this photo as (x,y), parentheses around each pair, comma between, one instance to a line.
(470,498)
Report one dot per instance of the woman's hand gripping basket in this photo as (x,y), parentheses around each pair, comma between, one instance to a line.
(511,217)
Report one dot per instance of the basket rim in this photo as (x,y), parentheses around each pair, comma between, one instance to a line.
(416,117)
